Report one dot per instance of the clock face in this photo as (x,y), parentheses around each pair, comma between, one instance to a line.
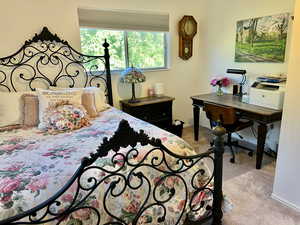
(189,27)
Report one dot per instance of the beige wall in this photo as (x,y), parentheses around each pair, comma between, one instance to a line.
(19,20)
(287,184)
(220,41)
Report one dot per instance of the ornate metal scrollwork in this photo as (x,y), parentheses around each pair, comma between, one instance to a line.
(179,178)
(50,61)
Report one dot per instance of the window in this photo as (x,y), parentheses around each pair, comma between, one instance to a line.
(145,50)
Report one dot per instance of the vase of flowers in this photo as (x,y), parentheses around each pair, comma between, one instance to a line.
(220,82)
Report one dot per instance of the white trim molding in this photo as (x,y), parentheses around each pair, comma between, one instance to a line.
(285,202)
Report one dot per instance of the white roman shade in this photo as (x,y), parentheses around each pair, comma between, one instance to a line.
(123,20)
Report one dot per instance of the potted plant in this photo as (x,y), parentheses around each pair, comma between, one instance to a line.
(220,82)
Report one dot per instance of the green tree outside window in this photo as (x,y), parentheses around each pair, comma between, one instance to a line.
(145,50)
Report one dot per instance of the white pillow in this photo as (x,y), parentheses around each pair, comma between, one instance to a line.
(100,98)
(48,98)
(11,108)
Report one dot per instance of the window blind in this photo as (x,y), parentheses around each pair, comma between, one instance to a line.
(123,20)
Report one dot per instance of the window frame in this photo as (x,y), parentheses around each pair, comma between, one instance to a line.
(126,50)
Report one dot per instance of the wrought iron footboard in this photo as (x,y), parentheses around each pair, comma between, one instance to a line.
(125,177)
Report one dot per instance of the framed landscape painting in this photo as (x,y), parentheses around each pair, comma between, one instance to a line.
(262,39)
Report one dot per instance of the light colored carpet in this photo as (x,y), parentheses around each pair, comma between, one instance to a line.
(248,189)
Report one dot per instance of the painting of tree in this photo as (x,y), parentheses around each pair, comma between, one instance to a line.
(262,39)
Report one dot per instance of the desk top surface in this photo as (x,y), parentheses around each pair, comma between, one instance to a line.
(233,101)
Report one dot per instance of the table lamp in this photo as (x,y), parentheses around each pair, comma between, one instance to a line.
(132,76)
(243,81)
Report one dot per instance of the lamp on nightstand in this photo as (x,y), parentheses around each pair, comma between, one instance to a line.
(132,76)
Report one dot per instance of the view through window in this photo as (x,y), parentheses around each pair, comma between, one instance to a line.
(145,50)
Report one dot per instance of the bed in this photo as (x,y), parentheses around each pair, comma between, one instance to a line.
(118,170)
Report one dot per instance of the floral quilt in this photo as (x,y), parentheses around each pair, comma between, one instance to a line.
(34,165)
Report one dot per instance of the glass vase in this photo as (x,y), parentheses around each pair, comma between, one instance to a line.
(219,91)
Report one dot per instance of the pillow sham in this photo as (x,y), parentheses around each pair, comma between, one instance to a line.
(30,110)
(11,108)
(100,98)
(48,99)
(65,117)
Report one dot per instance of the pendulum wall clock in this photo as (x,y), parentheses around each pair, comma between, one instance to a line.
(187,31)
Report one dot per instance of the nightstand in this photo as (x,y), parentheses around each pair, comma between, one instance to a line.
(155,110)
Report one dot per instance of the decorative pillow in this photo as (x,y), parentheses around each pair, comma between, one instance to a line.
(88,102)
(11,108)
(30,110)
(65,117)
(48,99)
(100,99)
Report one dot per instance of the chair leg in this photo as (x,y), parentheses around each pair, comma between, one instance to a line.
(229,142)
(232,160)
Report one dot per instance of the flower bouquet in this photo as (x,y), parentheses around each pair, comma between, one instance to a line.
(220,82)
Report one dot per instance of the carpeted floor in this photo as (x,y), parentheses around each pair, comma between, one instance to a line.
(248,189)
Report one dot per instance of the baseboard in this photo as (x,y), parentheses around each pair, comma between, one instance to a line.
(285,202)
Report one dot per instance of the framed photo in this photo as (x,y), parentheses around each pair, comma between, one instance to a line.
(262,39)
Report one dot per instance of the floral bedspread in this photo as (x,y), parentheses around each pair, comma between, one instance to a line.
(35,165)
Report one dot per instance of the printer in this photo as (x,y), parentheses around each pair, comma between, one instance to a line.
(267,94)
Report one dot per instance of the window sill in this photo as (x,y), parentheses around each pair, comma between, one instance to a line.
(113,72)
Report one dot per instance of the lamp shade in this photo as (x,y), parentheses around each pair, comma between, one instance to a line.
(132,75)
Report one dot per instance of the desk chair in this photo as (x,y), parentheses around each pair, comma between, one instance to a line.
(227,117)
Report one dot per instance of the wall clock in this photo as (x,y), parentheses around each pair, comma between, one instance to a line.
(187,31)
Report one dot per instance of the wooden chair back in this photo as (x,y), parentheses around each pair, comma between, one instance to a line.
(219,113)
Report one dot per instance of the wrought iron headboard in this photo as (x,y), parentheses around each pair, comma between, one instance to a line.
(50,61)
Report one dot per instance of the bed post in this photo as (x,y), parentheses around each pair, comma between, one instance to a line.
(217,213)
(108,74)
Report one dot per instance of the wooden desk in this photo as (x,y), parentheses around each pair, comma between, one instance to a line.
(261,115)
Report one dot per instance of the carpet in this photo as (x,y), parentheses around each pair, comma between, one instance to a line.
(247,189)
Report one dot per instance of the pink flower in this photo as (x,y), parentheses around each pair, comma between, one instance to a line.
(225,82)
(15,167)
(31,147)
(170,182)
(213,82)
(181,205)
(164,139)
(5,199)
(221,81)
(133,207)
(82,214)
(38,183)
(8,147)
(67,198)
(157,180)
(48,154)
(95,204)
(119,160)
(8,185)
(198,198)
